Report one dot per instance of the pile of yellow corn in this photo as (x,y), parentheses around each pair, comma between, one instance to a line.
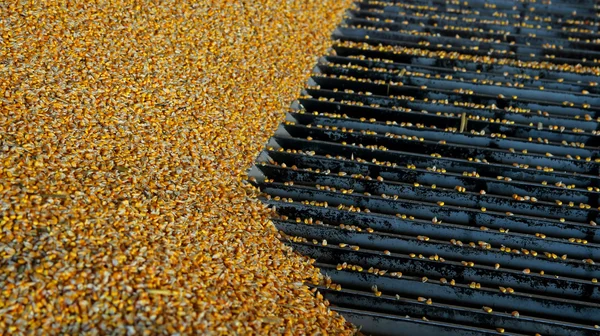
(126,128)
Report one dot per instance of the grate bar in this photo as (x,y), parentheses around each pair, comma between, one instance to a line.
(440,231)
(402,307)
(463,275)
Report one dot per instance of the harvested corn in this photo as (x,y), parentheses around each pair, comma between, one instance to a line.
(125,133)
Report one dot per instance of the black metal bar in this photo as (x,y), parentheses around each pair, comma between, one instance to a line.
(485,12)
(449,179)
(439,134)
(389,304)
(410,192)
(530,304)
(431,60)
(406,245)
(561,287)
(528,77)
(440,230)
(451,164)
(450,213)
(491,89)
(386,324)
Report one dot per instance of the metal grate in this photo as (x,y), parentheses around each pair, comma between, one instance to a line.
(442,168)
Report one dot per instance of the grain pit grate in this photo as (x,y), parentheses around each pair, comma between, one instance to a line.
(442,168)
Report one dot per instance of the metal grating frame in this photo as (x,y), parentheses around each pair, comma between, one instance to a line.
(442,168)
